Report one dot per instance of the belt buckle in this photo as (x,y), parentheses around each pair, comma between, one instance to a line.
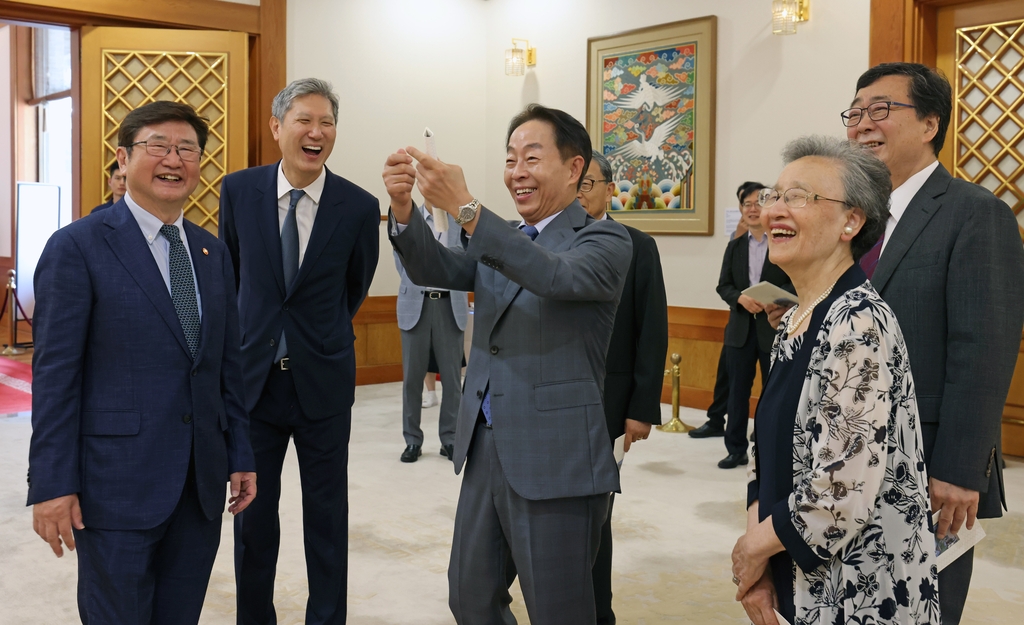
(434,294)
(284,364)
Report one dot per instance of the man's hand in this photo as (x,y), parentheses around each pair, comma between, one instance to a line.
(760,602)
(752,305)
(442,184)
(243,491)
(775,312)
(399,178)
(53,521)
(955,505)
(635,431)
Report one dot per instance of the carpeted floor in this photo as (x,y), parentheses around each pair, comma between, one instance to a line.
(15,386)
(675,525)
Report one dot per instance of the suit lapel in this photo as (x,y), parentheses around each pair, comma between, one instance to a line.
(919,212)
(269,224)
(328,216)
(555,236)
(130,247)
(743,260)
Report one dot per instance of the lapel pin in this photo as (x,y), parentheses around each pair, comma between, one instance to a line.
(206,252)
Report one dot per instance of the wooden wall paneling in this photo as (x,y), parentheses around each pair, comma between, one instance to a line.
(378,341)
(1013,411)
(886,31)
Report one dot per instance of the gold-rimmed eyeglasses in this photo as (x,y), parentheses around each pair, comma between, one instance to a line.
(187,153)
(876,111)
(587,185)
(794,198)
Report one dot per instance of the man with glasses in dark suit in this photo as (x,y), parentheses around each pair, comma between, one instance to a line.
(951,266)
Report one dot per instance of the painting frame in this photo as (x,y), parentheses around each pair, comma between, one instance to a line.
(697,185)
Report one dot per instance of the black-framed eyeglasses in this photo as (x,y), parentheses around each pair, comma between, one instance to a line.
(186,153)
(794,198)
(588,184)
(877,111)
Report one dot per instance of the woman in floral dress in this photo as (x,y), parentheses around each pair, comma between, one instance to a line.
(837,523)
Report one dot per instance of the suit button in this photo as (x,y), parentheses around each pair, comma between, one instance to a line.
(286,308)
(479,394)
(187,419)
(194,372)
(271,342)
(494,349)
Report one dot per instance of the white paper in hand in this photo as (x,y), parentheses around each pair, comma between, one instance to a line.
(440,216)
(619,450)
(782,620)
(765,293)
(953,546)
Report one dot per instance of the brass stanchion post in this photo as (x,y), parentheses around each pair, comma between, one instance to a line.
(12,302)
(675,425)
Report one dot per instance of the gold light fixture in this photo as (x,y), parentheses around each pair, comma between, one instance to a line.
(518,59)
(786,14)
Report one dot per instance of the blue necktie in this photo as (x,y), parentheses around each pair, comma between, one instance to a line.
(183,287)
(485,407)
(289,255)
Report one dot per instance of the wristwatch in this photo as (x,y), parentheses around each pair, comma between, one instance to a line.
(467,212)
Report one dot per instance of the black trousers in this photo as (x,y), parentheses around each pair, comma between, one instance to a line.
(603,572)
(720,400)
(742,363)
(322,449)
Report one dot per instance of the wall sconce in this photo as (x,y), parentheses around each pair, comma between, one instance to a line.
(518,59)
(786,14)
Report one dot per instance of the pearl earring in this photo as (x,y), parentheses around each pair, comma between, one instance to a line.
(848,230)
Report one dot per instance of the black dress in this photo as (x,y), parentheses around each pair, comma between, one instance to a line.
(773,429)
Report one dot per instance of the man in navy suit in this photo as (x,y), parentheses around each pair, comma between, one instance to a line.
(117,187)
(304,244)
(137,415)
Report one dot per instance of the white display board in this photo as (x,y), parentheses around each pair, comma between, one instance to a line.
(38,218)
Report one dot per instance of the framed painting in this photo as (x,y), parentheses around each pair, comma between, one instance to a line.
(651,112)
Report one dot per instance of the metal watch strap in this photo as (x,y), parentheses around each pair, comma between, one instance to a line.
(467,212)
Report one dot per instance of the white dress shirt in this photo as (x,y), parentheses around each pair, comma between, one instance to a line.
(543,223)
(429,217)
(160,247)
(901,197)
(305,209)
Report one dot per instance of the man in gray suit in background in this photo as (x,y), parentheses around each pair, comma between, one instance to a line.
(431,319)
(951,266)
(532,425)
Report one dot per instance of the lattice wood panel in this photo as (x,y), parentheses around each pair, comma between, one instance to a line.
(132,78)
(989,110)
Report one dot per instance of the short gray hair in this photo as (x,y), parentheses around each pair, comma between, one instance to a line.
(867,184)
(603,165)
(303,87)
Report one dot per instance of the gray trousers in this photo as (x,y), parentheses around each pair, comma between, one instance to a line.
(551,543)
(436,329)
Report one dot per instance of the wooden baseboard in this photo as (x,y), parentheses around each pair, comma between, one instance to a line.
(378,374)
(378,341)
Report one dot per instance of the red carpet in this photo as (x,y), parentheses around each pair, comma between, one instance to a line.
(15,386)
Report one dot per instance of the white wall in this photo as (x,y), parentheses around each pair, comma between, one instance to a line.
(401,65)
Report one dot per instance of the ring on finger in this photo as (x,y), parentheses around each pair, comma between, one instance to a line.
(735,580)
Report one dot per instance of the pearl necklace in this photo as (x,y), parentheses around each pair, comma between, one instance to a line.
(791,326)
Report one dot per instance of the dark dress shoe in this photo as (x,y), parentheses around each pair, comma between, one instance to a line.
(411,453)
(732,460)
(706,431)
(448,451)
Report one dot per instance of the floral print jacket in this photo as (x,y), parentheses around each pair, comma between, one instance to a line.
(860,500)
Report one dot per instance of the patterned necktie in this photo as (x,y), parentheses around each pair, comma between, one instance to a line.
(485,406)
(869,261)
(183,287)
(289,256)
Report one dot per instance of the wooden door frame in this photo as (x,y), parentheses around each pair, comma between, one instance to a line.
(265,25)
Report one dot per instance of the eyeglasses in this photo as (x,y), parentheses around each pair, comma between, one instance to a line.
(588,184)
(794,198)
(756,202)
(877,111)
(186,153)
